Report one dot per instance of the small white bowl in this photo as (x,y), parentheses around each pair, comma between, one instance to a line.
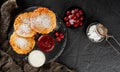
(36,58)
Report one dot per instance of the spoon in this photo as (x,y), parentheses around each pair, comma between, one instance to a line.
(102,30)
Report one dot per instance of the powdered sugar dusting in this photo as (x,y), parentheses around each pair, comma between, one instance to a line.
(24,29)
(26,20)
(92,34)
(21,42)
(42,21)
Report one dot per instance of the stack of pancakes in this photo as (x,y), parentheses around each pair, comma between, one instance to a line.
(27,25)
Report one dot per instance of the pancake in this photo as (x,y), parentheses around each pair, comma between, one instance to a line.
(43,20)
(21,45)
(22,25)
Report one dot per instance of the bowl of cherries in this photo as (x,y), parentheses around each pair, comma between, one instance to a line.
(74,17)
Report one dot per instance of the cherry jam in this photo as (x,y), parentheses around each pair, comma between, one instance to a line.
(46,43)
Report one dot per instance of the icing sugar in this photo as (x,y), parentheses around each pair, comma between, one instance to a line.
(21,42)
(24,29)
(93,34)
(42,21)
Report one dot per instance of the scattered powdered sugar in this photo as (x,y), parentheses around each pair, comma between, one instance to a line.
(21,42)
(42,21)
(26,20)
(92,34)
(24,29)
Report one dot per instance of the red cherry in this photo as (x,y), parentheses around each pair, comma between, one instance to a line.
(71,21)
(76,10)
(67,24)
(56,34)
(72,11)
(61,35)
(75,25)
(73,16)
(77,21)
(70,16)
(58,39)
(80,23)
(80,12)
(82,17)
(68,13)
(66,18)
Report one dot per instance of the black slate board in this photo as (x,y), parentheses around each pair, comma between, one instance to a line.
(59,46)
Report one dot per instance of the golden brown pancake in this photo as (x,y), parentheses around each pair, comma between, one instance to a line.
(21,45)
(43,20)
(22,25)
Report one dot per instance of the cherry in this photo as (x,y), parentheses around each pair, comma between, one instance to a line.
(67,24)
(80,12)
(70,16)
(75,25)
(61,35)
(73,17)
(76,10)
(56,34)
(66,18)
(71,21)
(82,17)
(72,11)
(77,21)
(68,12)
(58,39)
(80,23)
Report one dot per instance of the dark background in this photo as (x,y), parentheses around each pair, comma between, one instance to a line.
(80,53)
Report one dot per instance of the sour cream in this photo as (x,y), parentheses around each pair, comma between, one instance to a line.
(36,58)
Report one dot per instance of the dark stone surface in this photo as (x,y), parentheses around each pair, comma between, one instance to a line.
(80,53)
(86,56)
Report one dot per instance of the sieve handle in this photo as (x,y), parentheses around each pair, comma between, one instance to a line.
(115,41)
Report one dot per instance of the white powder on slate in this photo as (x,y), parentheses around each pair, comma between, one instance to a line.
(92,34)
